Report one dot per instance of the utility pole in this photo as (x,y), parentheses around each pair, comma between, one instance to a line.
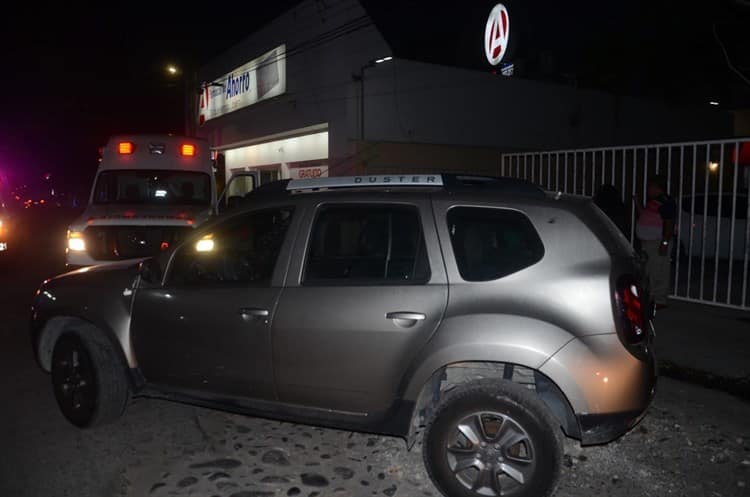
(360,77)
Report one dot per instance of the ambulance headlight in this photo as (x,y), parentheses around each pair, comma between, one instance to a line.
(76,242)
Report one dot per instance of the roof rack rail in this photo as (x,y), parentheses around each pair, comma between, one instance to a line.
(448,182)
(497,184)
(366,181)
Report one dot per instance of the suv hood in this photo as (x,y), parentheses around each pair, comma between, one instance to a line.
(101,273)
(86,286)
(102,295)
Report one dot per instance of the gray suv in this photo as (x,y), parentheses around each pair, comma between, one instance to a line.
(482,315)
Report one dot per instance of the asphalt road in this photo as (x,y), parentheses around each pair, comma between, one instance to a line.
(694,442)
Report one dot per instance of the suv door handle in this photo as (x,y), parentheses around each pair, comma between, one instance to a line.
(413,317)
(253,312)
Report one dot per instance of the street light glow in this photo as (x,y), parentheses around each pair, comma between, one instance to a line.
(171,69)
(714,103)
(384,59)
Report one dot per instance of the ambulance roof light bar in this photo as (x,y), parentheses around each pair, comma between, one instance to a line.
(187,150)
(125,148)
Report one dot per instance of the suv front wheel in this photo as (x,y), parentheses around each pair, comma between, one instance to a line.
(493,438)
(89,384)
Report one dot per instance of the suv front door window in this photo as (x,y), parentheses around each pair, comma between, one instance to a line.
(241,251)
(208,327)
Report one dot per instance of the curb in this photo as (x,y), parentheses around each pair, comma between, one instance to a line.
(739,387)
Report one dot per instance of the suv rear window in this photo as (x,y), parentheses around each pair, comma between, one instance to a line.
(353,244)
(491,243)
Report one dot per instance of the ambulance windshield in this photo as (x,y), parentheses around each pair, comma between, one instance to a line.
(152,187)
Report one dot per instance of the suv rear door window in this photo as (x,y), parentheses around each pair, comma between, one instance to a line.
(367,244)
(492,243)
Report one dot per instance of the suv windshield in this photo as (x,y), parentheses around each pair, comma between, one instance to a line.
(155,187)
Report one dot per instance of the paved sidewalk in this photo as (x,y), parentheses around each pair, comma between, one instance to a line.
(704,338)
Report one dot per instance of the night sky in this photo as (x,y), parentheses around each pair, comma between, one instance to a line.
(71,78)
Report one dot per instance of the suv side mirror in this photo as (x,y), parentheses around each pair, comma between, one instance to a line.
(151,271)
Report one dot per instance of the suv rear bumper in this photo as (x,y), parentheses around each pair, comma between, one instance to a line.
(603,428)
(609,389)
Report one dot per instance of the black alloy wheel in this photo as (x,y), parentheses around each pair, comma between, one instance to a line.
(74,380)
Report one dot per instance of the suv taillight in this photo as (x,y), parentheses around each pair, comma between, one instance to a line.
(632,306)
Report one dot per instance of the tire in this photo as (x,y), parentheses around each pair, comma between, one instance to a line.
(522,451)
(87,378)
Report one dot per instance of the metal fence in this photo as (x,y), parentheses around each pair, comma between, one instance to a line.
(707,179)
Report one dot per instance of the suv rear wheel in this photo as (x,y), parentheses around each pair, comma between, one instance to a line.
(493,438)
(89,384)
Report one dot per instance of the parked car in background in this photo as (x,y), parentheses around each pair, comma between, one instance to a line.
(10,232)
(485,316)
(5,228)
(711,206)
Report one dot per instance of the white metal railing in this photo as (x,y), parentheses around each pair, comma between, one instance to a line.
(709,183)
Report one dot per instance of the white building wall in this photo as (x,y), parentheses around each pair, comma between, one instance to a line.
(413,102)
(319,76)
(427,103)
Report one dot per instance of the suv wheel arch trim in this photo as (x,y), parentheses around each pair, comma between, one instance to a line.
(431,394)
(50,331)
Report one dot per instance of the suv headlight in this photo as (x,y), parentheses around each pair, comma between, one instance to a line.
(76,242)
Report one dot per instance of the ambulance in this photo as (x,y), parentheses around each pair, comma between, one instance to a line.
(150,191)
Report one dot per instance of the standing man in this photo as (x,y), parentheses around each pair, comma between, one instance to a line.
(655,228)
